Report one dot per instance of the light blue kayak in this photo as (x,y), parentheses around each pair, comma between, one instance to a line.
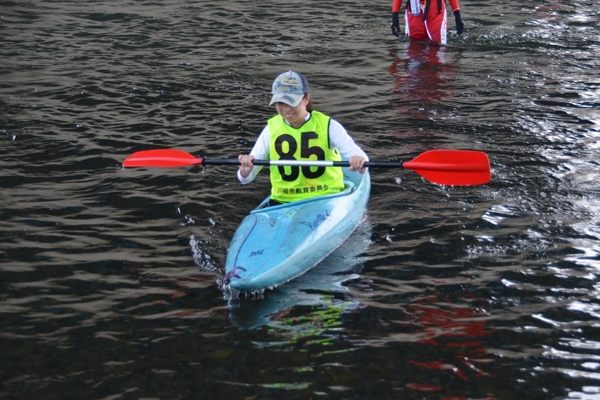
(276,244)
(320,288)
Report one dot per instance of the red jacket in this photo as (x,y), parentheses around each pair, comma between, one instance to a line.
(398,3)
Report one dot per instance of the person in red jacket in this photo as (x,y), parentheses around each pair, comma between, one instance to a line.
(426,19)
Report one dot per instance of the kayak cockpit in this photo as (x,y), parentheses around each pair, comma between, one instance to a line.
(348,188)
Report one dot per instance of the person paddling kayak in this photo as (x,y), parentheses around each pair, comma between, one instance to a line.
(300,133)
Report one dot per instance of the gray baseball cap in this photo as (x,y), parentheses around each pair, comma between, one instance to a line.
(289,88)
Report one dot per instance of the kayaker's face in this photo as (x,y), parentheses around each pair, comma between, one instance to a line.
(293,115)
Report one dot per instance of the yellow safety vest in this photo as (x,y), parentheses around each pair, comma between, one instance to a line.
(309,142)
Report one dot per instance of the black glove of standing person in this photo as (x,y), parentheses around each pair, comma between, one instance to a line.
(460,25)
(396,24)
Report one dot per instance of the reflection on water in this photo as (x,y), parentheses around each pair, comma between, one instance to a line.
(456,328)
(423,78)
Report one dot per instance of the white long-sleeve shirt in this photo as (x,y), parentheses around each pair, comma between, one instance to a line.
(338,138)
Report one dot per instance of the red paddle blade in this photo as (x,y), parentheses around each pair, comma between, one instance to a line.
(452,167)
(161,158)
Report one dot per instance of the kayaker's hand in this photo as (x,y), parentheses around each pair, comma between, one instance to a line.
(246,164)
(395,24)
(460,25)
(357,164)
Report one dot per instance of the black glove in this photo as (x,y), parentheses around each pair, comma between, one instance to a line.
(396,24)
(460,25)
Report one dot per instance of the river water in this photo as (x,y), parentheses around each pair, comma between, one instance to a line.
(108,285)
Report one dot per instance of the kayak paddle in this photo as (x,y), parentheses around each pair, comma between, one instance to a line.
(445,167)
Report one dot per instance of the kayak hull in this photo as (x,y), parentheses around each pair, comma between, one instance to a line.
(273,245)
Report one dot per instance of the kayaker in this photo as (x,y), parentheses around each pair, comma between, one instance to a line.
(426,19)
(299,133)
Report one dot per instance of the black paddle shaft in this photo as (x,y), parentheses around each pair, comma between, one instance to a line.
(369,164)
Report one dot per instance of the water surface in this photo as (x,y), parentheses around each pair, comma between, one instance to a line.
(108,285)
